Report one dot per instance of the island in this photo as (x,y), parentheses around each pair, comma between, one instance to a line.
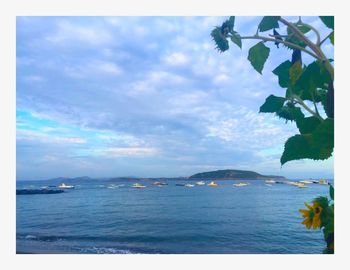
(233,175)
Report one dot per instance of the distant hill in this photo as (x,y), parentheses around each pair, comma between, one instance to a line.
(233,174)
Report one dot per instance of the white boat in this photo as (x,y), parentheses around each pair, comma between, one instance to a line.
(241,184)
(270,181)
(189,185)
(269,185)
(200,183)
(137,185)
(306,181)
(63,185)
(296,184)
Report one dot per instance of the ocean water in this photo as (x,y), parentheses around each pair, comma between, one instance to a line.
(167,220)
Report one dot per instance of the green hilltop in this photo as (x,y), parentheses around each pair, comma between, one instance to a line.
(233,174)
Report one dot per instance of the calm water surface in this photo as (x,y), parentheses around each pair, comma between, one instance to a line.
(171,219)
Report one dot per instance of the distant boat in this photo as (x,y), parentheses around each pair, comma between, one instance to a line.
(180,185)
(200,183)
(241,184)
(159,184)
(63,185)
(137,185)
(212,184)
(302,186)
(296,184)
(189,185)
(306,181)
(323,182)
(269,185)
(270,181)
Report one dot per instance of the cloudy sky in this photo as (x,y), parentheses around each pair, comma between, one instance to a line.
(146,96)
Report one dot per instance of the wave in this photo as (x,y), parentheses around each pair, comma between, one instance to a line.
(101,250)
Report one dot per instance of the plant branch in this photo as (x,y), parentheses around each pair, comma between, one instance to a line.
(323,40)
(292,45)
(301,103)
(315,30)
(315,48)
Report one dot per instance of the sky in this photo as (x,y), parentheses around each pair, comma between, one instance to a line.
(148,97)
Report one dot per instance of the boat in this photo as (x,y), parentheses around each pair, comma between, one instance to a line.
(323,182)
(302,186)
(306,181)
(189,185)
(241,184)
(269,185)
(137,185)
(200,183)
(159,184)
(63,185)
(180,185)
(212,184)
(296,184)
(270,181)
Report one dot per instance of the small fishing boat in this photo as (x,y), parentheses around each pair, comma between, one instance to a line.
(212,184)
(306,181)
(200,183)
(241,184)
(137,185)
(302,186)
(64,186)
(189,185)
(159,184)
(323,182)
(270,181)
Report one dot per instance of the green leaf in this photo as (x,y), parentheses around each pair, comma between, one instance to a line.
(236,39)
(290,112)
(317,145)
(323,140)
(314,76)
(282,71)
(272,104)
(322,201)
(295,72)
(293,39)
(331,37)
(220,40)
(296,147)
(328,21)
(304,28)
(308,124)
(258,55)
(231,23)
(268,22)
(331,192)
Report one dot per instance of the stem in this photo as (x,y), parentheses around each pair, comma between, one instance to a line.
(323,40)
(315,48)
(301,103)
(316,32)
(292,45)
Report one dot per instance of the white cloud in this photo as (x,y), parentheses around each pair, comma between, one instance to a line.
(38,136)
(67,33)
(128,151)
(92,69)
(176,59)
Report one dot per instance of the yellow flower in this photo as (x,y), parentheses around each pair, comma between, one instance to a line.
(312,216)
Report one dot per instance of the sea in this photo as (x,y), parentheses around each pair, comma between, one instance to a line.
(98,217)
